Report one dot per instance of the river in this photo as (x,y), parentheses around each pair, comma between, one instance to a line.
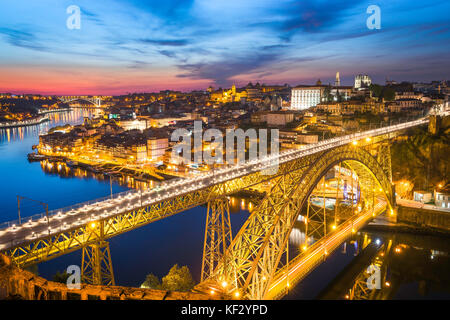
(155,248)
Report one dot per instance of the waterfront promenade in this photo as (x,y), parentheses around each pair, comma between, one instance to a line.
(30,122)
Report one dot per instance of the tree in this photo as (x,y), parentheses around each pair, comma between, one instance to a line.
(388,94)
(178,279)
(426,156)
(151,282)
(61,277)
(327,94)
(338,96)
(376,90)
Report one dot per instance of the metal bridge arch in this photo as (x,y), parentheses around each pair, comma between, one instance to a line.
(95,101)
(255,252)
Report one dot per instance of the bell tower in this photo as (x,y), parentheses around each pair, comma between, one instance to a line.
(337,82)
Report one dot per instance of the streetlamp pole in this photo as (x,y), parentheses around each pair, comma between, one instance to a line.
(43,204)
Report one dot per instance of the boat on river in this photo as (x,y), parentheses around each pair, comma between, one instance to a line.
(35,157)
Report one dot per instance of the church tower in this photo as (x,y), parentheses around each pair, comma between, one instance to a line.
(337,83)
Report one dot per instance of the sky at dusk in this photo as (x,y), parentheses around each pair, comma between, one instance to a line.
(145,45)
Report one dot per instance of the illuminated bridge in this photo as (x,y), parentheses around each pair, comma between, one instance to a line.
(96,102)
(254,263)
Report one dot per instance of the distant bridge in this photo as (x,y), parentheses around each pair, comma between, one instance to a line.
(97,102)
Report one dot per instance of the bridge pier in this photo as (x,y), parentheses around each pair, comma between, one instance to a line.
(96,264)
(217,236)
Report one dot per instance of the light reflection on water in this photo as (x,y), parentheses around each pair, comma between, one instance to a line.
(74,117)
(61,169)
(416,267)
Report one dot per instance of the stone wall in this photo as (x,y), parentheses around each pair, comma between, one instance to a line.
(16,283)
(424,218)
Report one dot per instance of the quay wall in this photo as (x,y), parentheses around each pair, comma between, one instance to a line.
(425,218)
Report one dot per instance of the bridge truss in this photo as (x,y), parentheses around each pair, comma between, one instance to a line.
(97,102)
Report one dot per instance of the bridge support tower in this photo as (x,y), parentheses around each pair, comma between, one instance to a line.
(96,264)
(217,236)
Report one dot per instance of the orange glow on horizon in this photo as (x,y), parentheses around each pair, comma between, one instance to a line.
(48,80)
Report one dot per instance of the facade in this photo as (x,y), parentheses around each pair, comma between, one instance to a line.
(230,95)
(253,93)
(162,121)
(127,151)
(351,107)
(307,138)
(408,103)
(288,135)
(258,117)
(401,104)
(394,107)
(139,124)
(408,95)
(304,97)
(279,118)
(362,81)
(129,146)
(442,200)
(344,92)
(156,148)
(60,142)
(422,196)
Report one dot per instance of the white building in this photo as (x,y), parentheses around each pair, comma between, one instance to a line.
(140,124)
(304,97)
(422,196)
(362,81)
(442,200)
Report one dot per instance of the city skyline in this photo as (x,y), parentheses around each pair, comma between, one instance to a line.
(145,46)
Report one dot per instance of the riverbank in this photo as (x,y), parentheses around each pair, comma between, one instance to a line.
(44,111)
(25,123)
(108,169)
(404,227)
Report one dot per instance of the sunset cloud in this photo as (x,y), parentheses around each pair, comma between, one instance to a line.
(135,45)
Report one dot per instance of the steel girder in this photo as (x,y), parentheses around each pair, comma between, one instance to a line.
(384,158)
(257,248)
(217,236)
(96,264)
